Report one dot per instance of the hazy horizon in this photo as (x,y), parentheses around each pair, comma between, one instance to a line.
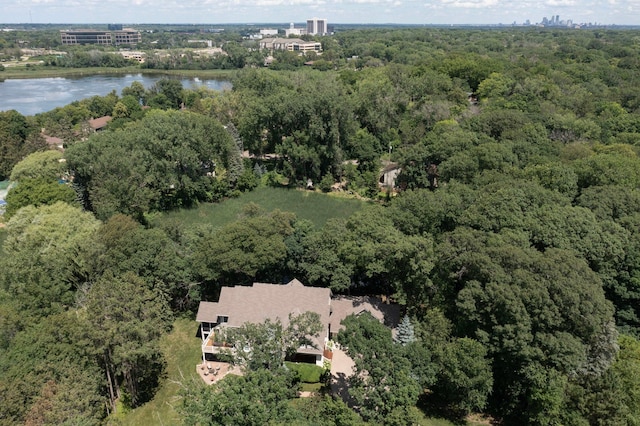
(407,12)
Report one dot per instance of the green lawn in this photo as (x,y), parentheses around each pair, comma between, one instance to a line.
(311,387)
(314,206)
(182,352)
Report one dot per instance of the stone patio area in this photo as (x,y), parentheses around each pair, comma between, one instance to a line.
(212,371)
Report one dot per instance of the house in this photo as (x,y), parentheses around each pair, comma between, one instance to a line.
(388,175)
(254,304)
(53,142)
(98,124)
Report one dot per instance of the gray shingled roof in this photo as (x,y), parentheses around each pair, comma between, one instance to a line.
(256,303)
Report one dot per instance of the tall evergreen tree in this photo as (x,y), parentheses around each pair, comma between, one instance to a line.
(405,334)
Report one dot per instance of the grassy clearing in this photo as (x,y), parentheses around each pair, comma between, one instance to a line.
(471,420)
(428,421)
(182,352)
(313,206)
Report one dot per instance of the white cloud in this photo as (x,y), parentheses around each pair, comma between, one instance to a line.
(561,3)
(470,4)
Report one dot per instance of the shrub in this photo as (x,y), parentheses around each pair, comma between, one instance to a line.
(326,183)
(272,179)
(247,181)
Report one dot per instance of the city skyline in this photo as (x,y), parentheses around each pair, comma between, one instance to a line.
(436,12)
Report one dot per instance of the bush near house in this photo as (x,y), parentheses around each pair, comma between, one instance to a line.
(309,373)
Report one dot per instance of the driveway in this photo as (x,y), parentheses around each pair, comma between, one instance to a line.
(341,368)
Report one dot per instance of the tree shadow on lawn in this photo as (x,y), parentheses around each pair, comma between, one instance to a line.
(431,407)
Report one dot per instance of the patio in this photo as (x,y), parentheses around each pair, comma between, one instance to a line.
(212,371)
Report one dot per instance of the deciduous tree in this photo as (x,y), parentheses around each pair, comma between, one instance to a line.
(257,398)
(382,381)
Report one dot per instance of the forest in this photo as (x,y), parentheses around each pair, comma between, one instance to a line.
(511,238)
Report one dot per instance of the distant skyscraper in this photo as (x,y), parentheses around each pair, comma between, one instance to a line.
(316,26)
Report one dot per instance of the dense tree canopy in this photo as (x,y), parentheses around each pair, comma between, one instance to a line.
(41,245)
(510,240)
(167,160)
(38,192)
(19,137)
(47,165)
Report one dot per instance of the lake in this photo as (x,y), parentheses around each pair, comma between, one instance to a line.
(31,96)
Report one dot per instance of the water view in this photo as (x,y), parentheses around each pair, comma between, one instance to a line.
(35,95)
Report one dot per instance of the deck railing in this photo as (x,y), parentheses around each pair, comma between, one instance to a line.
(211,346)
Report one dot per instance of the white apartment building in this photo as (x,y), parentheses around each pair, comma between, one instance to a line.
(316,26)
(292,30)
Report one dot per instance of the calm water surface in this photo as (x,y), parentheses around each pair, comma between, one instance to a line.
(35,95)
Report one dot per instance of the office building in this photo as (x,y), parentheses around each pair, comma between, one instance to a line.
(316,26)
(290,44)
(124,36)
(85,37)
(133,55)
(127,36)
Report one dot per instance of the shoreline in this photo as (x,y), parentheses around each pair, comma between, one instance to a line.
(37,72)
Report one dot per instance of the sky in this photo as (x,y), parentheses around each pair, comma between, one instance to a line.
(621,12)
